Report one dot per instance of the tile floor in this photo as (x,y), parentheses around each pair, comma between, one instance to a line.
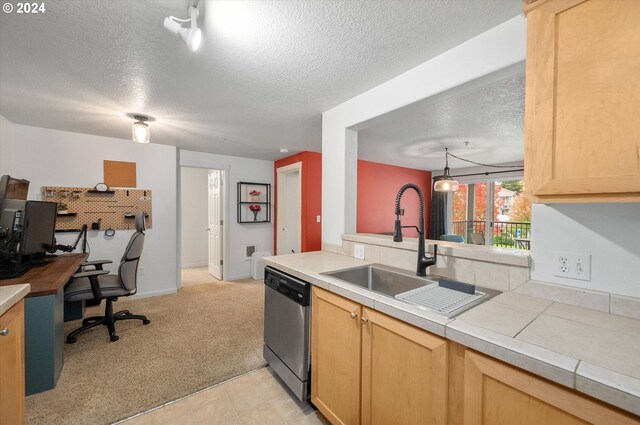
(256,398)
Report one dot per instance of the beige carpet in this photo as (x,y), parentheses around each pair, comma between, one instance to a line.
(198,337)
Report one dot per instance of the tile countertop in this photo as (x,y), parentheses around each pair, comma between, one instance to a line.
(593,352)
(10,295)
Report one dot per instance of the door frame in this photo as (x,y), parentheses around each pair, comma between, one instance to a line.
(209,165)
(280,176)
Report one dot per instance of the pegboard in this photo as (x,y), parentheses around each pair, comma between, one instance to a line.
(115,209)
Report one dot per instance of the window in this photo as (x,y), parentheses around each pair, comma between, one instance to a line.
(500,206)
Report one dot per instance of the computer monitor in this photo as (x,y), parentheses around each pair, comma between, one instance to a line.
(11,220)
(38,234)
(27,233)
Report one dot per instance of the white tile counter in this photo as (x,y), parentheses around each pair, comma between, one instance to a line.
(594,352)
(10,295)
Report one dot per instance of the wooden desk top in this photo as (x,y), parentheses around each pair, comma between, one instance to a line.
(50,276)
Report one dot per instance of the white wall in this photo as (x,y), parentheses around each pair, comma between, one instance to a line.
(498,49)
(194,217)
(237,236)
(59,158)
(609,232)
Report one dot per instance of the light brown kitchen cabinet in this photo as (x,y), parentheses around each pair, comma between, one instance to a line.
(582,103)
(498,394)
(404,373)
(368,368)
(12,366)
(335,357)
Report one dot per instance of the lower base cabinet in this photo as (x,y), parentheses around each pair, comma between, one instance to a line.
(335,357)
(368,368)
(371,369)
(12,396)
(404,373)
(498,394)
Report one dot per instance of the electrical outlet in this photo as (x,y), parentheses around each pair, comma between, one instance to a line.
(358,251)
(572,265)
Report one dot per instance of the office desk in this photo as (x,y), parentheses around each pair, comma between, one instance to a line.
(44,319)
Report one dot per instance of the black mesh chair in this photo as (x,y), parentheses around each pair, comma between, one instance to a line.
(92,283)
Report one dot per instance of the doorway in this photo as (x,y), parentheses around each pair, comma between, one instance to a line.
(289,209)
(201,225)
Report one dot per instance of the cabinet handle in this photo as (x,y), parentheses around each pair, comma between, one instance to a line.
(364,320)
(4,332)
(354,315)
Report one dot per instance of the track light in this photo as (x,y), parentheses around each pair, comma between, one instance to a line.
(140,131)
(192,36)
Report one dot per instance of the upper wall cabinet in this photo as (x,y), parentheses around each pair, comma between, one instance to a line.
(582,120)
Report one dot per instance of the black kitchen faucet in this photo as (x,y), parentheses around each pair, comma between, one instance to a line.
(423,260)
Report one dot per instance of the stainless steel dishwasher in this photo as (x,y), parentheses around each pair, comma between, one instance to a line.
(287,302)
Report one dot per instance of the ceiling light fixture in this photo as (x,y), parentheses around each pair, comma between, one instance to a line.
(445,183)
(140,131)
(192,36)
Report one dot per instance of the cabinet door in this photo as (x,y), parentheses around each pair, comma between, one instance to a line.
(335,357)
(582,118)
(12,366)
(404,373)
(499,394)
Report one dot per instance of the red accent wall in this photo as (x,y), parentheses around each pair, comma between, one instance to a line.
(378,185)
(311,237)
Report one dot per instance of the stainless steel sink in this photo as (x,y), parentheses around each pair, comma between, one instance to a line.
(404,286)
(381,279)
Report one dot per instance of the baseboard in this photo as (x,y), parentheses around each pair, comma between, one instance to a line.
(193,265)
(154,293)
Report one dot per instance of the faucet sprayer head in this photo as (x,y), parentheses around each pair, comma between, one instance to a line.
(397,231)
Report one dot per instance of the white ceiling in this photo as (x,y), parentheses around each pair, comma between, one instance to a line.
(265,72)
(487,115)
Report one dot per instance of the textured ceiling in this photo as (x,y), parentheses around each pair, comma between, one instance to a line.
(265,72)
(490,118)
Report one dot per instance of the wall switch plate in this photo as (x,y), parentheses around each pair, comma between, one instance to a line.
(572,265)
(358,251)
(317,219)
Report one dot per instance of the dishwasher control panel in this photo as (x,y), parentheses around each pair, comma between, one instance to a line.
(287,285)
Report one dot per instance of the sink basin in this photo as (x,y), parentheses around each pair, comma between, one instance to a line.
(423,292)
(381,279)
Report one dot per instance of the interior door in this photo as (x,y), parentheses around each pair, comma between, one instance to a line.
(289,209)
(215,224)
(292,213)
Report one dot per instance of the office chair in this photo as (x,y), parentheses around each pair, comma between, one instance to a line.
(452,238)
(94,283)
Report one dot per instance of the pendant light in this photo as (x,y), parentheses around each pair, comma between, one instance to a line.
(140,131)
(446,183)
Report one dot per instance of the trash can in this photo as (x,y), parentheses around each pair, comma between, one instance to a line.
(258,263)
